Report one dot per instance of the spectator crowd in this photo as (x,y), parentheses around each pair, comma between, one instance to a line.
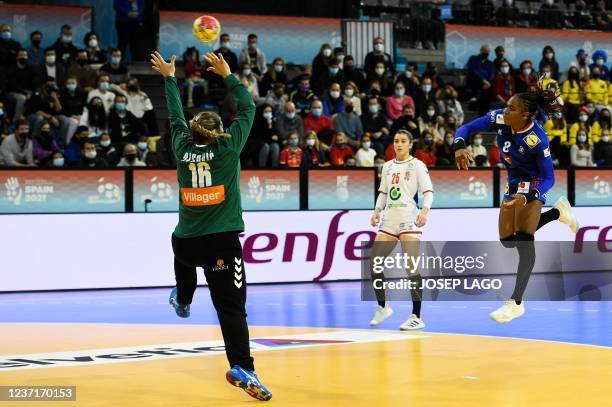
(78,105)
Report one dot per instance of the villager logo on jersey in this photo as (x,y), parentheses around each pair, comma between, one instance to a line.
(198,158)
(203,196)
(531,140)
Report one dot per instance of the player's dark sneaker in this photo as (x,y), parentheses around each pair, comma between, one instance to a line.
(249,382)
(182,310)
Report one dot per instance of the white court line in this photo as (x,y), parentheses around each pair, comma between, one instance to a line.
(565,309)
(485,307)
(459,306)
(539,309)
(591,310)
(352,305)
(274,304)
(433,306)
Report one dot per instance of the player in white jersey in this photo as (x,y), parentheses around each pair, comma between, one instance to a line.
(402,179)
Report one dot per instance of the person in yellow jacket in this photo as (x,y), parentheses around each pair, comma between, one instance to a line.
(572,92)
(602,123)
(597,89)
(547,81)
(556,129)
(581,124)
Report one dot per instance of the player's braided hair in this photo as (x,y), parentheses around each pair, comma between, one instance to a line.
(207,127)
(548,98)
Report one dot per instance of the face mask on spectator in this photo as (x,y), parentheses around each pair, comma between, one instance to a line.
(50,59)
(304,88)
(115,60)
(67,39)
(349,109)
(290,115)
(428,141)
(293,142)
(595,75)
(583,117)
(45,133)
(267,115)
(333,71)
(426,88)
(527,71)
(349,67)
(91,154)
(477,141)
(93,43)
(317,112)
(508,2)
(380,71)
(340,145)
(104,86)
(120,106)
(246,72)
(36,42)
(550,55)
(582,138)
(142,145)
(334,94)
(599,61)
(24,135)
(367,144)
(105,143)
(430,112)
(546,74)
(253,46)
(130,156)
(573,75)
(6,35)
(349,92)
(505,70)
(327,52)
(22,60)
(449,141)
(132,87)
(278,68)
(373,109)
(408,74)
(71,87)
(400,92)
(379,47)
(605,138)
(1,112)
(310,142)
(225,44)
(58,162)
(82,62)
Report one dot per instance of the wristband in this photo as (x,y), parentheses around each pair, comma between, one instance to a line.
(458,144)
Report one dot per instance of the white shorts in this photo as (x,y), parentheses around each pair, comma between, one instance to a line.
(401,222)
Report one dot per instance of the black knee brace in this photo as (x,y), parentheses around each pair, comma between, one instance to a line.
(508,242)
(524,237)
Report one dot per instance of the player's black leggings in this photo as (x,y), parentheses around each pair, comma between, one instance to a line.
(220,255)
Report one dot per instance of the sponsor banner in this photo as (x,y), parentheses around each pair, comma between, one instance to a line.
(593,187)
(556,192)
(25,18)
(278,246)
(259,189)
(296,39)
(463,41)
(347,189)
(133,353)
(462,189)
(270,189)
(56,191)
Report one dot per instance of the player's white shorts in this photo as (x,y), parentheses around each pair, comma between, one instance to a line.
(401,222)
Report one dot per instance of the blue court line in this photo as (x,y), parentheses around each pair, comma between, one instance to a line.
(331,305)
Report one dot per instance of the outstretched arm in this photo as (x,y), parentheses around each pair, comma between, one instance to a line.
(180,133)
(463,157)
(241,127)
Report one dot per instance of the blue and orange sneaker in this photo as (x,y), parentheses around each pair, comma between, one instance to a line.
(182,310)
(249,382)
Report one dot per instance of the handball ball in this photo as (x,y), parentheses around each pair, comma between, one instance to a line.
(206,28)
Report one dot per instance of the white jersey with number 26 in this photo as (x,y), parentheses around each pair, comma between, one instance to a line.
(401,180)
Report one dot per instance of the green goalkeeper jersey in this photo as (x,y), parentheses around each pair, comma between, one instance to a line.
(209,175)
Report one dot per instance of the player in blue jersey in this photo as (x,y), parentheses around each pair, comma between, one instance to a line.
(525,153)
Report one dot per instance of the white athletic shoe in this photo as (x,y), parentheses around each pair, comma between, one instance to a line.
(412,323)
(566,214)
(508,312)
(381,314)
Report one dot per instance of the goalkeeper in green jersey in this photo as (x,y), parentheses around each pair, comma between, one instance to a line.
(210,214)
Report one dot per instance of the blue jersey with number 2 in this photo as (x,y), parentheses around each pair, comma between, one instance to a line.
(525,154)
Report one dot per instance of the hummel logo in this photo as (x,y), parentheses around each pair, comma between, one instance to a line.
(238,272)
